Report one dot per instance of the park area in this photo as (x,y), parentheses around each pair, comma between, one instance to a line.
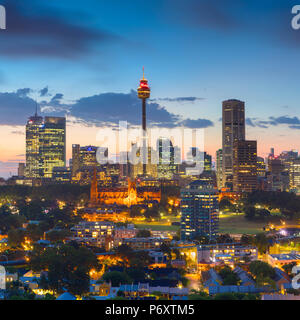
(229,223)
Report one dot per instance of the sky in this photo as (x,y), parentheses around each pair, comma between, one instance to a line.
(83,60)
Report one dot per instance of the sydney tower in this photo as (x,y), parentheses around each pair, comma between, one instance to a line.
(144,94)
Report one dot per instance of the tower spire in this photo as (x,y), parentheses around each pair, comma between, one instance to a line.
(143,73)
(36,109)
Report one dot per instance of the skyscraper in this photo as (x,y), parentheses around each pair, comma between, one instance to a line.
(219,168)
(233,130)
(294,175)
(33,127)
(52,147)
(75,159)
(166,167)
(244,166)
(199,211)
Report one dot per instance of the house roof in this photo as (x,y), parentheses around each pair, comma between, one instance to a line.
(66,296)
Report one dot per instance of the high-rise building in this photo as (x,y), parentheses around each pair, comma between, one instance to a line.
(275,166)
(233,120)
(52,145)
(294,175)
(33,128)
(75,159)
(21,170)
(199,211)
(166,167)
(219,168)
(244,166)
(261,167)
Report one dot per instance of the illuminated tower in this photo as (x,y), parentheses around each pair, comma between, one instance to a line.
(144,94)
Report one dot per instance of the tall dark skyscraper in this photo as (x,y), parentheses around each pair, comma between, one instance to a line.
(233,130)
(244,166)
(199,211)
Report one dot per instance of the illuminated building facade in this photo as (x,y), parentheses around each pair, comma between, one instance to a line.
(33,127)
(261,167)
(93,233)
(61,174)
(52,145)
(245,166)
(166,167)
(199,211)
(233,122)
(123,196)
(219,167)
(294,174)
(151,168)
(45,146)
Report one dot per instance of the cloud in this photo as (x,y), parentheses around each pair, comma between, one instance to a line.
(250,123)
(295,127)
(198,123)
(15,108)
(31,34)
(286,120)
(179,99)
(57,97)
(23,92)
(104,109)
(200,13)
(44,92)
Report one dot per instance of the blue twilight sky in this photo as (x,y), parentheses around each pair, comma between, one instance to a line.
(83,59)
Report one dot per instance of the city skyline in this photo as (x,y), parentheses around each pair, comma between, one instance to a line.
(91,77)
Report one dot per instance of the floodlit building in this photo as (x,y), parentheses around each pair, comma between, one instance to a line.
(199,210)
(244,166)
(45,145)
(52,145)
(219,167)
(233,121)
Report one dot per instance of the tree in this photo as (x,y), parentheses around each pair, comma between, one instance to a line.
(116,278)
(34,232)
(68,267)
(198,295)
(262,243)
(261,270)
(57,235)
(225,204)
(16,237)
(229,277)
(124,252)
(250,212)
(140,259)
(288,267)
